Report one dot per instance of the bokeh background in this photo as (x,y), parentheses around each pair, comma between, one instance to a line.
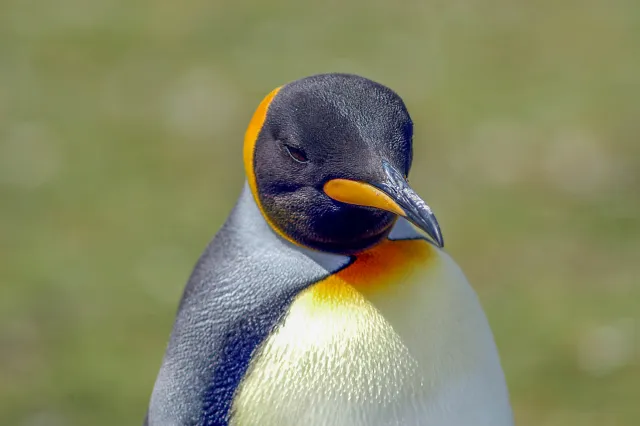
(121,125)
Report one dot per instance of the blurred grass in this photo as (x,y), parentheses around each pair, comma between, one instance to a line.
(121,126)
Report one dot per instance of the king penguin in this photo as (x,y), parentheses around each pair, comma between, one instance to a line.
(326,298)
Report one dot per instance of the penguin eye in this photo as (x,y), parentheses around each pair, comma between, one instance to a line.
(297,154)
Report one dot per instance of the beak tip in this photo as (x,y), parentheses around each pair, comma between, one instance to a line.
(439,241)
(436,236)
(429,225)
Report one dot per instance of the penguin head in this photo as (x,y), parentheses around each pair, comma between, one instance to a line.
(327,159)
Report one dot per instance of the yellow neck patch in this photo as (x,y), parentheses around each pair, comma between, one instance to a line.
(376,269)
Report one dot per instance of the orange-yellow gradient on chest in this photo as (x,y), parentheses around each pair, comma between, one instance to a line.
(335,350)
(376,270)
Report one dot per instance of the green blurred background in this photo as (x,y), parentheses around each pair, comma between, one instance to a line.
(121,126)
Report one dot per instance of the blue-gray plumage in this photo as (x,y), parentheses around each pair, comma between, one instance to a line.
(238,291)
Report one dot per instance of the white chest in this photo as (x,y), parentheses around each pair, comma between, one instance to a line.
(417,351)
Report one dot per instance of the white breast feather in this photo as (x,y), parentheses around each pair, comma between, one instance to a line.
(420,355)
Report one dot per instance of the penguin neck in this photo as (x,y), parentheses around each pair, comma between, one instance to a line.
(257,228)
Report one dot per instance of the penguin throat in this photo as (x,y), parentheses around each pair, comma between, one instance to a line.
(342,233)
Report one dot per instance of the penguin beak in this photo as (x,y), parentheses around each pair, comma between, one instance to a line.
(393,194)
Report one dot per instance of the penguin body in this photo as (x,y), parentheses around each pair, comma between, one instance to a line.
(283,322)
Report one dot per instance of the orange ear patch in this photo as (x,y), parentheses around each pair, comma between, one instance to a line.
(250,139)
(251,136)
